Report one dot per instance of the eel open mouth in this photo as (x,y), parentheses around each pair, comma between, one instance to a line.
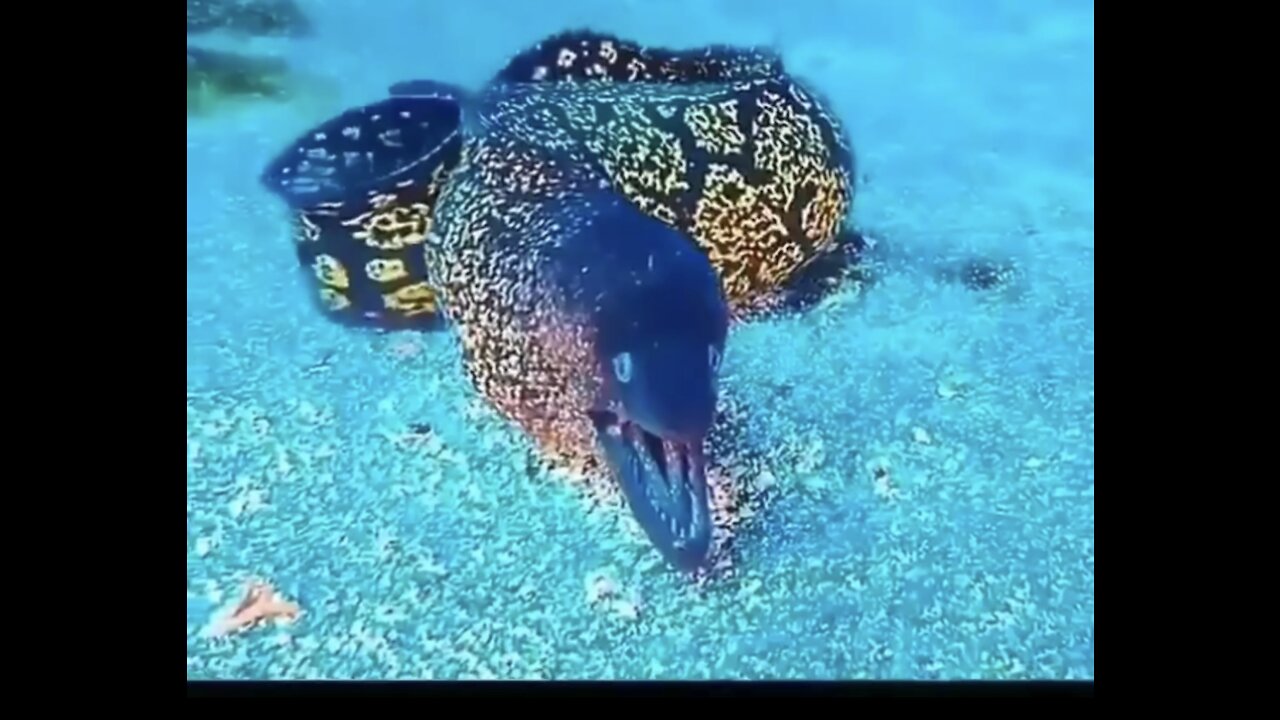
(664,482)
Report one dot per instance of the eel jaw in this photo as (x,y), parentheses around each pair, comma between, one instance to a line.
(664,482)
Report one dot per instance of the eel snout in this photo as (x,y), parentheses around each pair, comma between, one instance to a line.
(664,481)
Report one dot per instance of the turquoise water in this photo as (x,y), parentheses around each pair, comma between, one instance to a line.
(929,444)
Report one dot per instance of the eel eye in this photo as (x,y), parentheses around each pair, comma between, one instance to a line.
(622,366)
(713,357)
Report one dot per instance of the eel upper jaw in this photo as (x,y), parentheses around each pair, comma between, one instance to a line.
(664,483)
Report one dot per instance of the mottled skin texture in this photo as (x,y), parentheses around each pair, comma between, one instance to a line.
(754,171)
(744,159)
(719,146)
(362,187)
(548,274)
(748,161)
(585,55)
(741,168)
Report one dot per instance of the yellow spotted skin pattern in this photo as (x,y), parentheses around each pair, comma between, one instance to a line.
(585,55)
(473,205)
(361,188)
(757,172)
(524,353)
(517,231)
(720,143)
(370,255)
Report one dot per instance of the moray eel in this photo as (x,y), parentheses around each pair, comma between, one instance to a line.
(588,222)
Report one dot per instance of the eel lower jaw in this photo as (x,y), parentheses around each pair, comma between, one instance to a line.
(664,483)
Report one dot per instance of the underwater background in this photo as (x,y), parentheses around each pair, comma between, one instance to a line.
(924,435)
